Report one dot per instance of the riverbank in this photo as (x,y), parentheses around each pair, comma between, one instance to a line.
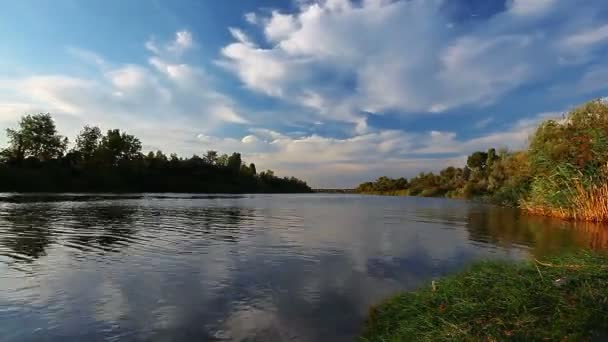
(386,193)
(555,299)
(562,173)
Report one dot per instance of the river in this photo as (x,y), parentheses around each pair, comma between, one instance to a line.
(172,267)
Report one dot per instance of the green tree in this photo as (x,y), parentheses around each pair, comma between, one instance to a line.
(34,162)
(210,157)
(118,147)
(492,157)
(222,160)
(477,160)
(234,162)
(36,138)
(87,142)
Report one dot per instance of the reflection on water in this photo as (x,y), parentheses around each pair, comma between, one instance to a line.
(107,227)
(27,231)
(510,227)
(146,267)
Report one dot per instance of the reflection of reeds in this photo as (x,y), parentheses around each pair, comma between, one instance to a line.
(592,235)
(587,204)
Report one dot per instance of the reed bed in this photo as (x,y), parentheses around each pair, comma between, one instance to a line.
(586,204)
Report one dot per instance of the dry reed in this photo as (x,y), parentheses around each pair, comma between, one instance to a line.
(587,204)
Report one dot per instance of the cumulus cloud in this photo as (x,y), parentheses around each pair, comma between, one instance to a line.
(330,65)
(165,102)
(345,59)
(279,26)
(344,162)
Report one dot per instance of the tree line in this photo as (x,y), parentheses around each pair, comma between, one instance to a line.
(563,172)
(500,176)
(38,159)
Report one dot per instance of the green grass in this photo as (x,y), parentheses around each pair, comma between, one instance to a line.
(494,301)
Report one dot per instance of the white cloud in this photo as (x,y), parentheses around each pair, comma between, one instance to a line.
(134,83)
(327,162)
(258,69)
(165,103)
(59,93)
(341,59)
(332,62)
(10,112)
(484,123)
(588,37)
(182,42)
(251,18)
(152,46)
(87,56)
(249,139)
(530,7)
(228,114)
(594,79)
(280,26)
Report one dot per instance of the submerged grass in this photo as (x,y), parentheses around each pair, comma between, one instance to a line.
(564,298)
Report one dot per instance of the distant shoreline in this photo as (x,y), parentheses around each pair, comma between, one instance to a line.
(37,159)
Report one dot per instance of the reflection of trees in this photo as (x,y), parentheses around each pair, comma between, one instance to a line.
(221,223)
(507,226)
(498,225)
(28,231)
(102,226)
(222,217)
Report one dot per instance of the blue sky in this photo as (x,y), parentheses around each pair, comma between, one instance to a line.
(333,91)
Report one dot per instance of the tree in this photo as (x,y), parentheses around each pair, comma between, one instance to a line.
(156,160)
(36,137)
(492,157)
(174,160)
(267,174)
(477,160)
(35,162)
(234,162)
(222,160)
(210,157)
(161,157)
(466,173)
(87,142)
(119,147)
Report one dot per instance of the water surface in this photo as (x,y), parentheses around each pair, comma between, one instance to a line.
(150,267)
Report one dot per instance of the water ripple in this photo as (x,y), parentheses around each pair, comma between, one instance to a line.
(255,267)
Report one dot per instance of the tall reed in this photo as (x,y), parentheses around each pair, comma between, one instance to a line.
(585,204)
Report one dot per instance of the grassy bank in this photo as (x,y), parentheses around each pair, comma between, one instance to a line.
(562,298)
